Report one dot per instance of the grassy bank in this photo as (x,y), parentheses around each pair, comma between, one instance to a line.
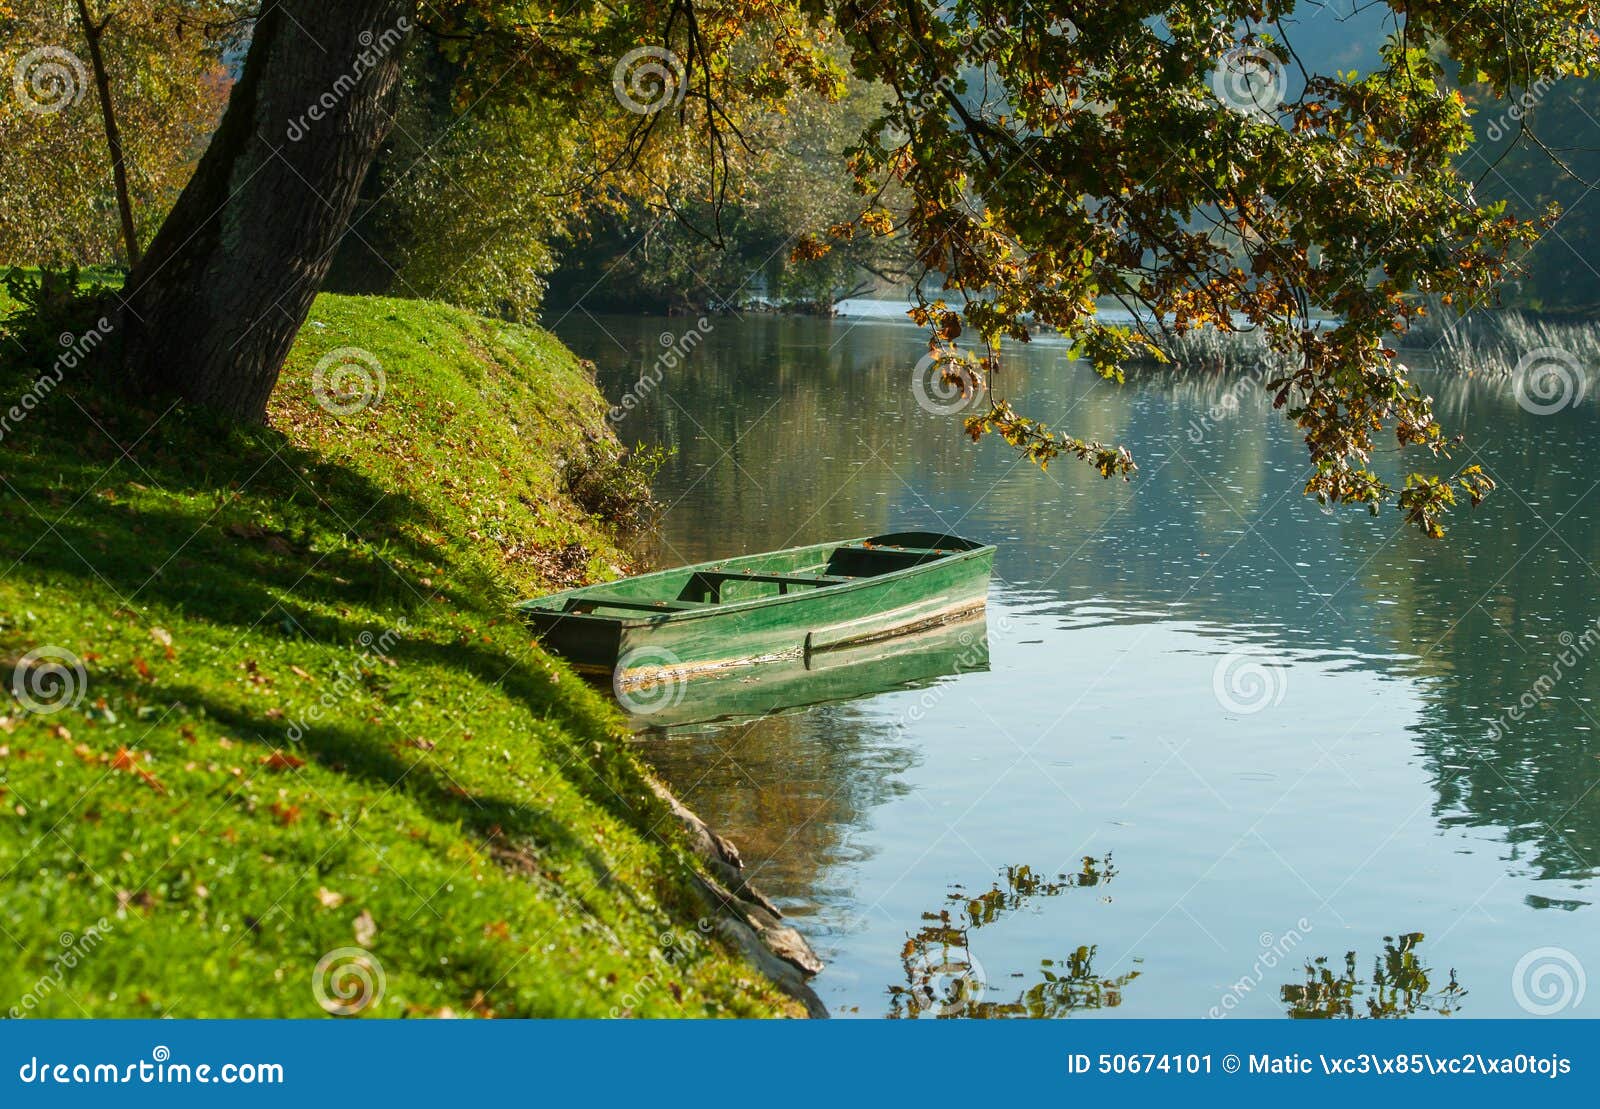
(290,716)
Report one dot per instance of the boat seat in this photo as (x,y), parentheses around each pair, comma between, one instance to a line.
(709,582)
(921,552)
(581,605)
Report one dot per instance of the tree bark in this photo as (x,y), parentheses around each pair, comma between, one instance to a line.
(92,33)
(214,306)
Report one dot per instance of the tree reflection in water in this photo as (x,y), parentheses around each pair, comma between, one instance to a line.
(945,979)
(1400,986)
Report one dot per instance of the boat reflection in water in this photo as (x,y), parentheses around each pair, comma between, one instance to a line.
(794,684)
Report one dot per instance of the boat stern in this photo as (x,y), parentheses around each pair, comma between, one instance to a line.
(586,642)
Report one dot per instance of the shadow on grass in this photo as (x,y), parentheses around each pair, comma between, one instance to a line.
(106,507)
(514,833)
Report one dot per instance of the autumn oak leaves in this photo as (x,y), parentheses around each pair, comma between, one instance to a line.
(1189,168)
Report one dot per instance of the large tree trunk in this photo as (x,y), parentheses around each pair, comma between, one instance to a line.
(214,306)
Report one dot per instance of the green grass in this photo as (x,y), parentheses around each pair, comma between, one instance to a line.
(308,721)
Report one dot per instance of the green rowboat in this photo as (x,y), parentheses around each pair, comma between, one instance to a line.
(759,608)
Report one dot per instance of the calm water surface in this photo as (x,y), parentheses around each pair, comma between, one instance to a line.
(1226,753)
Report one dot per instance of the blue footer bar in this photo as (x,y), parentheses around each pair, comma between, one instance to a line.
(856,1062)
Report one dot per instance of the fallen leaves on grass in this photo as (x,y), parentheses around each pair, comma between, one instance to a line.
(253,672)
(282,760)
(562,566)
(127,760)
(127,898)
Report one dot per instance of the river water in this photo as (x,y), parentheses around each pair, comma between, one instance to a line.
(1224,753)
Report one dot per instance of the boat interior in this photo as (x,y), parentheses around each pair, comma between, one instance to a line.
(754,577)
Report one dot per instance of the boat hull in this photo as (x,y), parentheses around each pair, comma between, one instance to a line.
(908,661)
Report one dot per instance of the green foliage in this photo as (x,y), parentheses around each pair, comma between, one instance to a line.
(944,980)
(673,248)
(465,202)
(1399,986)
(47,310)
(482,186)
(1038,159)
(613,483)
(168,79)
